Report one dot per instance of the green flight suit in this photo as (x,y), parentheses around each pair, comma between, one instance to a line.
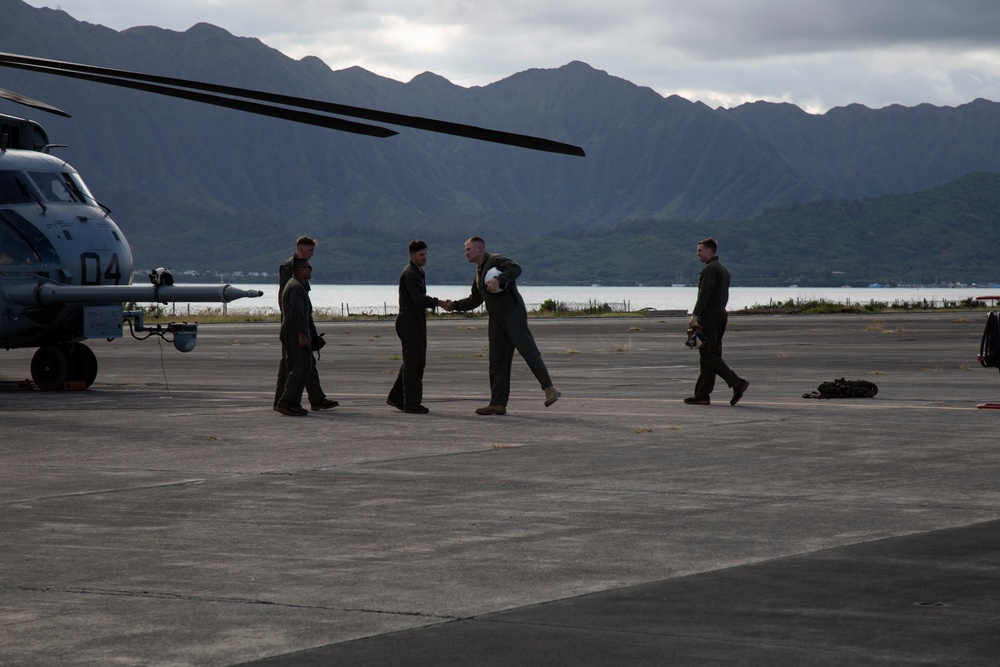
(296,318)
(411,327)
(508,326)
(313,387)
(713,295)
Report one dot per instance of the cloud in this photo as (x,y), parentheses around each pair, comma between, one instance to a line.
(814,53)
(724,29)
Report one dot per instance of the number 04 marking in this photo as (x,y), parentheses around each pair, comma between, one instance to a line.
(90,270)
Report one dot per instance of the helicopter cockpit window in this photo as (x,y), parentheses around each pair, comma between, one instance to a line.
(61,187)
(14,249)
(14,188)
(79,189)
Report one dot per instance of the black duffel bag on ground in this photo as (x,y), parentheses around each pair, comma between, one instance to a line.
(844,389)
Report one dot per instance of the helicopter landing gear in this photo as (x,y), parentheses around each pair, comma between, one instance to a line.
(55,365)
(85,362)
(49,367)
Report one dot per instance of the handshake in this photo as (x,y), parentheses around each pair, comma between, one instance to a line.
(446,304)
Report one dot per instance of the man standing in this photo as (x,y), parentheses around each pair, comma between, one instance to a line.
(296,344)
(709,313)
(304,249)
(411,327)
(508,325)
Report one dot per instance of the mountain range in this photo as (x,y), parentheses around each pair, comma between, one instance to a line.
(215,190)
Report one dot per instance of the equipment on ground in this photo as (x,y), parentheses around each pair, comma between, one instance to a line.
(843,388)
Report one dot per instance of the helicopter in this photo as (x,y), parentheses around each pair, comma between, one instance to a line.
(66,268)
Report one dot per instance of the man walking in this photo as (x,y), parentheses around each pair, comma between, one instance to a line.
(304,249)
(296,349)
(709,313)
(411,327)
(494,284)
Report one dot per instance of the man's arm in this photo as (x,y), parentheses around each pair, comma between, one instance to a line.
(706,287)
(509,270)
(416,291)
(471,302)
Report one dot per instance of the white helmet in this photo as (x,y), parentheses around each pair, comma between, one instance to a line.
(494,273)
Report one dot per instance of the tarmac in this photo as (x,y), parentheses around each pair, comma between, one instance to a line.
(168,516)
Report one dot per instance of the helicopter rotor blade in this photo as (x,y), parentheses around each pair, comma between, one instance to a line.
(29,102)
(416,122)
(217,100)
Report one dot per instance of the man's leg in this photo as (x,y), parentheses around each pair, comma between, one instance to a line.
(710,357)
(524,342)
(706,377)
(414,361)
(279,387)
(300,362)
(313,388)
(395,398)
(501,360)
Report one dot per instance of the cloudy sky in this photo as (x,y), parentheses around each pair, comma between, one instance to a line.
(817,54)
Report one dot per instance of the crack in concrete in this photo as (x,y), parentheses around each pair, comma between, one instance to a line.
(160,595)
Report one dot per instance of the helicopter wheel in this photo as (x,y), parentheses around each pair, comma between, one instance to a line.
(51,366)
(85,364)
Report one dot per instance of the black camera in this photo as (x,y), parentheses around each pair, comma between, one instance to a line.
(695,339)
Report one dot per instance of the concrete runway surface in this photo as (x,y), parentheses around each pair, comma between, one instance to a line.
(168,516)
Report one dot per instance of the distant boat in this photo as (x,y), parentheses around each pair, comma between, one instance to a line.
(875,285)
(678,285)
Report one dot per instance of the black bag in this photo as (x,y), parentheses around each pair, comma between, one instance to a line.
(318,342)
(844,389)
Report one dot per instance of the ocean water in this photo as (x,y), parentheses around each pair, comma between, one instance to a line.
(383,299)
